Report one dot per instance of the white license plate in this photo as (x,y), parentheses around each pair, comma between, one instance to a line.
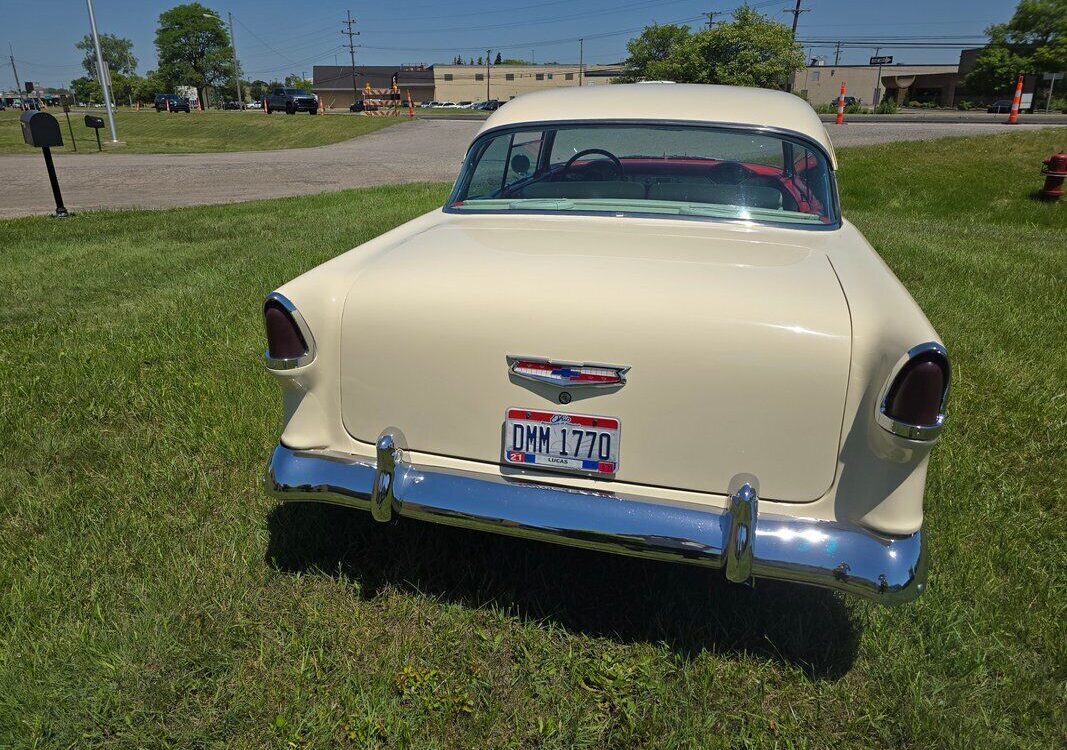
(552,440)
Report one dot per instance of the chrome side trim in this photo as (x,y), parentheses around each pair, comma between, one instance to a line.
(840,556)
(289,363)
(926,433)
(514,359)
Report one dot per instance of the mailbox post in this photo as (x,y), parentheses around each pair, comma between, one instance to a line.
(41,130)
(95,123)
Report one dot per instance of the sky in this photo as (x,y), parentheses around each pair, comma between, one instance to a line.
(275,38)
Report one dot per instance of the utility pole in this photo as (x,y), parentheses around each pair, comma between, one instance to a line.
(796,16)
(878,81)
(236,66)
(487,73)
(711,15)
(18,83)
(581,60)
(103,74)
(837,54)
(352,54)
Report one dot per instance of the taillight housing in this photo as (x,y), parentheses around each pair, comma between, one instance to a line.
(912,401)
(289,342)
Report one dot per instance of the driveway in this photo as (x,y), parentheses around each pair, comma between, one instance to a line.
(422,150)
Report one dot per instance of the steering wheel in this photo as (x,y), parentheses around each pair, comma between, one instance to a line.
(730,173)
(611,157)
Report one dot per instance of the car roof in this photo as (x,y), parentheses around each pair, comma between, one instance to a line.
(677,102)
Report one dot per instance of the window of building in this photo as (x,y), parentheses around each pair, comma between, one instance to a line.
(540,76)
(509,76)
(570,76)
(550,76)
(815,75)
(479,76)
(448,76)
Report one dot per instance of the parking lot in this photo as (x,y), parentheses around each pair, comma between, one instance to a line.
(425,150)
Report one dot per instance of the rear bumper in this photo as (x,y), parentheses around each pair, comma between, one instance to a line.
(748,545)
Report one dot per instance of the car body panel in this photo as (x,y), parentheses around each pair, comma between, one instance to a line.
(685,309)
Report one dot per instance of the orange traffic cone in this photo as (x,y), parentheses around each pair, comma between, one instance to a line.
(841,105)
(1013,117)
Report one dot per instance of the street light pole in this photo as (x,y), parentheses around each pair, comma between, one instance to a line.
(878,81)
(487,74)
(103,78)
(236,66)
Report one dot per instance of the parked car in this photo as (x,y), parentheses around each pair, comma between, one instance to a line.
(596,343)
(258,104)
(451,105)
(1002,106)
(291,101)
(176,103)
(361,106)
(488,106)
(849,101)
(232,104)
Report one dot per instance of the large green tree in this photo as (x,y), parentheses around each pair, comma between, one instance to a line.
(193,48)
(651,53)
(1033,41)
(750,50)
(117,52)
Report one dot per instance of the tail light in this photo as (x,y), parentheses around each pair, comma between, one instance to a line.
(289,342)
(912,402)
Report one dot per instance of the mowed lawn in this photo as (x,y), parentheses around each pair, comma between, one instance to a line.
(152,596)
(151,132)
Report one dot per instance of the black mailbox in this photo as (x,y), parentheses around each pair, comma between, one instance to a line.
(94,122)
(40,129)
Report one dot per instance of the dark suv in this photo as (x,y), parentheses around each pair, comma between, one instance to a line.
(177,103)
(291,101)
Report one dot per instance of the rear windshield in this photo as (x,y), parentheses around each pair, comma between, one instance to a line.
(672,170)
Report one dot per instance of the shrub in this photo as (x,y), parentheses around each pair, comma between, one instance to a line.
(886,107)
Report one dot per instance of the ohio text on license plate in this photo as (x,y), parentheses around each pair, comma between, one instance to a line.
(551,440)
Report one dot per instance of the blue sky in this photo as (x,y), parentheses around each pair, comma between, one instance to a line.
(275,37)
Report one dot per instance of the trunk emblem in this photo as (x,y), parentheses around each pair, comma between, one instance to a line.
(569,374)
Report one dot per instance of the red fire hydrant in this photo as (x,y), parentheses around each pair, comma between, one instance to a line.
(1055,170)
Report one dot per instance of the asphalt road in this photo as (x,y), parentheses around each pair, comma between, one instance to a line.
(423,150)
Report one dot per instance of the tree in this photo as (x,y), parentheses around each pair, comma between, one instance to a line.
(650,52)
(85,90)
(296,82)
(497,60)
(193,48)
(256,89)
(750,50)
(117,52)
(147,87)
(1033,41)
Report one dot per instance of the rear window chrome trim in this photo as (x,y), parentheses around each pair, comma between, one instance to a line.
(465,172)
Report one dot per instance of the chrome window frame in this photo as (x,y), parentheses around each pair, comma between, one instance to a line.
(833,210)
(289,363)
(925,433)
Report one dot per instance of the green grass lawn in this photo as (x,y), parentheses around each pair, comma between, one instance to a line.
(151,132)
(151,595)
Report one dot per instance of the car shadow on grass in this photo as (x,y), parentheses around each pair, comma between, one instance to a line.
(689,609)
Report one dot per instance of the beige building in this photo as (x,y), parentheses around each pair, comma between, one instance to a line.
(459,83)
(821,84)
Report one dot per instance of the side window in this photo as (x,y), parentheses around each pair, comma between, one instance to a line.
(489,173)
(524,155)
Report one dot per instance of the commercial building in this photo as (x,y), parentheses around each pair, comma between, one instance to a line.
(821,84)
(334,83)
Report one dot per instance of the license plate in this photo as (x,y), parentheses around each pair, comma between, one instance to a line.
(552,440)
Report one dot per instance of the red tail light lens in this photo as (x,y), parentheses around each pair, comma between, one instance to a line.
(285,341)
(913,405)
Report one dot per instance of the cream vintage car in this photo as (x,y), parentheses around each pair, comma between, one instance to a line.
(639,324)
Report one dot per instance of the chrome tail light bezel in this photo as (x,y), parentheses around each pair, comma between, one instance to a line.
(925,433)
(289,363)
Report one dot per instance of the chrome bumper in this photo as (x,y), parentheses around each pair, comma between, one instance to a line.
(748,545)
